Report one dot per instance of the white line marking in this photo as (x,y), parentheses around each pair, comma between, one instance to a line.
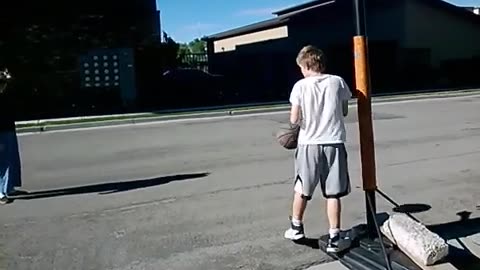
(206,119)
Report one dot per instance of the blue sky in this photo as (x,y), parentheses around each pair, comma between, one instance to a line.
(185,20)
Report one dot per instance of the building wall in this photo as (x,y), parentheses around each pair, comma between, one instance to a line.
(405,37)
(229,44)
(321,27)
(333,29)
(270,63)
(386,21)
(447,35)
(257,71)
(325,26)
(331,25)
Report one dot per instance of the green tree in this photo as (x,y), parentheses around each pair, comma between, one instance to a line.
(183,49)
(197,46)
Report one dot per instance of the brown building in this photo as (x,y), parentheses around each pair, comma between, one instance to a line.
(414,44)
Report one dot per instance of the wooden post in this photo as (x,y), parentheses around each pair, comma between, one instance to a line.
(362,81)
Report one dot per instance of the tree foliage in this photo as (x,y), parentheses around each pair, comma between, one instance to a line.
(196,46)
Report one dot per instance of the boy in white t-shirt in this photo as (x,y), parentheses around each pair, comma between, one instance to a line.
(319,104)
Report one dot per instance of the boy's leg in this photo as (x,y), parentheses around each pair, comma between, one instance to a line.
(299,203)
(306,179)
(334,209)
(296,231)
(335,185)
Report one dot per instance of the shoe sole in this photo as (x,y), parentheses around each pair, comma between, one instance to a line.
(296,237)
(342,247)
(332,250)
(5,200)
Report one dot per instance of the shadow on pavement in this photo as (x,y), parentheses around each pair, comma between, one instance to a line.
(309,242)
(464,252)
(408,209)
(412,208)
(463,237)
(109,188)
(462,228)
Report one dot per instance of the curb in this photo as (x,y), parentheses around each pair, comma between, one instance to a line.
(147,119)
(49,125)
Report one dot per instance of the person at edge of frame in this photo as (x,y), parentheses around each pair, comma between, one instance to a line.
(10,165)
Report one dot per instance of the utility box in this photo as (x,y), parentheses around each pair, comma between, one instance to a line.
(110,68)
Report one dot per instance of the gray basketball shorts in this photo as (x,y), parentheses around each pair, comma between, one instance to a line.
(322,164)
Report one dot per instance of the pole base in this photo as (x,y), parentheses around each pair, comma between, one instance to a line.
(365,252)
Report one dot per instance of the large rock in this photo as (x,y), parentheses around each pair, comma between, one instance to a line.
(415,239)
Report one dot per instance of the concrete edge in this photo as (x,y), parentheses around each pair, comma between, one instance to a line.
(49,125)
(151,119)
(334,265)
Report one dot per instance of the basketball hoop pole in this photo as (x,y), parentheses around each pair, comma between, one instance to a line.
(362,81)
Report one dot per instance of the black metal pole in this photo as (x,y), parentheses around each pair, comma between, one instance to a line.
(360,25)
(362,79)
(371,213)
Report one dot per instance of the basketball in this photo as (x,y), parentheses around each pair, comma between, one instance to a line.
(288,137)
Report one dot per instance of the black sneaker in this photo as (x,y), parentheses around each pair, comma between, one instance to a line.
(295,232)
(333,244)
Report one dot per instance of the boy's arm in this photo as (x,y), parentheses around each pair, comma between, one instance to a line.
(295,114)
(346,96)
(296,109)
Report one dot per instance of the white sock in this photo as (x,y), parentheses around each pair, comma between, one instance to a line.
(334,232)
(296,222)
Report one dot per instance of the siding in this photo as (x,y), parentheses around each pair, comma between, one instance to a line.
(229,44)
(447,35)
(330,25)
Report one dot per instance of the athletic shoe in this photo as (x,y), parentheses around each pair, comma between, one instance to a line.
(333,244)
(295,232)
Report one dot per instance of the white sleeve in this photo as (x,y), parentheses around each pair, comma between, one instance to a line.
(345,93)
(295,97)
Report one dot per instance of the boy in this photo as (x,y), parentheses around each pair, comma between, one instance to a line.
(319,104)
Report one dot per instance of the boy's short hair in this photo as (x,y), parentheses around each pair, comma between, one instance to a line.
(312,58)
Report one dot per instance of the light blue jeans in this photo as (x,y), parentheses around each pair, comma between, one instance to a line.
(10,171)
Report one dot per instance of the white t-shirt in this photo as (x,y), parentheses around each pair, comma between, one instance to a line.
(321,100)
